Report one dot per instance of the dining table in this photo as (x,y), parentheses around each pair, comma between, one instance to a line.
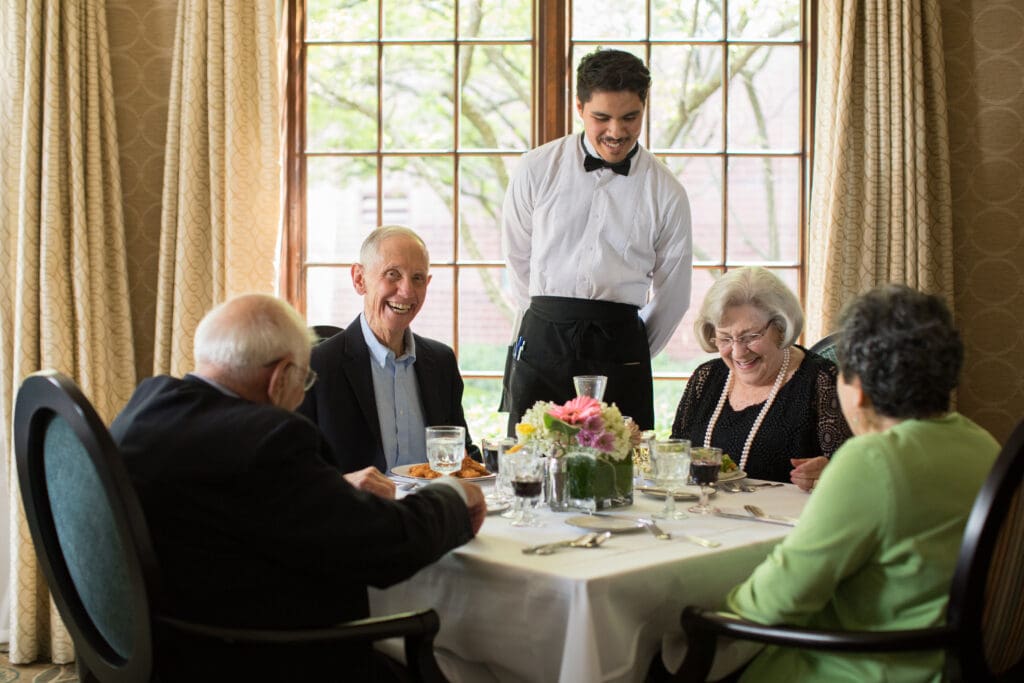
(587,614)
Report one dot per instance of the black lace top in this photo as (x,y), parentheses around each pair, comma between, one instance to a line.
(803,422)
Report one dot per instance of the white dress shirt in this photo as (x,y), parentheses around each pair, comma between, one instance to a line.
(599,235)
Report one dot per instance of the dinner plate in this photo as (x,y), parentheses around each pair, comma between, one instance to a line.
(403,471)
(494,508)
(614,524)
(732,476)
(688,493)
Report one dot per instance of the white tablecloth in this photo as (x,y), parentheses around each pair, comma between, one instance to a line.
(582,614)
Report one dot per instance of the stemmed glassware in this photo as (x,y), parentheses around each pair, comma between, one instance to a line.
(705,466)
(670,463)
(527,470)
(446,447)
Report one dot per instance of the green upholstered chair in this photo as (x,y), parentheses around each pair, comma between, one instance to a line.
(826,347)
(983,637)
(95,551)
(324,332)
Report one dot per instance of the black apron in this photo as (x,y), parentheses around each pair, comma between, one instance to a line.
(562,337)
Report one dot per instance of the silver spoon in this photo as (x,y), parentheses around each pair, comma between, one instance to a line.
(755,510)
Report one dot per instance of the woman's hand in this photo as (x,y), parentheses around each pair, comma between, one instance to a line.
(806,471)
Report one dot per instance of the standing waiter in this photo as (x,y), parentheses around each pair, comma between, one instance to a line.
(596,233)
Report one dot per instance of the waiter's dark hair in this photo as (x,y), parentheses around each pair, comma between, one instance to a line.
(611,71)
(902,345)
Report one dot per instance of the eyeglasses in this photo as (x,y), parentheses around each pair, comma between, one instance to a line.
(310,380)
(745,340)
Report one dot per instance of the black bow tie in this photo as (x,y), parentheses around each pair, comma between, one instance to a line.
(592,163)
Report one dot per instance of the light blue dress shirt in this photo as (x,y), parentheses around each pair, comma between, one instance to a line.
(399,409)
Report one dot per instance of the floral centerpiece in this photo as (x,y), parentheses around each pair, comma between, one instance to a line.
(596,442)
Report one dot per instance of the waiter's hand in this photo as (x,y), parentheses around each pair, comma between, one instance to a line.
(370,479)
(806,471)
(476,504)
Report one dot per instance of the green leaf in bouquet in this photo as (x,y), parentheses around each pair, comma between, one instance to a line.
(553,424)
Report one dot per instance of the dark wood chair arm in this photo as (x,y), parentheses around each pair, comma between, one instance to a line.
(703,627)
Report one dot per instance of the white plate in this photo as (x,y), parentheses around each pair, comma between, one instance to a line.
(732,476)
(494,508)
(613,524)
(688,493)
(403,471)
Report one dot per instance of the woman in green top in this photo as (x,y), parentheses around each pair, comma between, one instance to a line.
(878,540)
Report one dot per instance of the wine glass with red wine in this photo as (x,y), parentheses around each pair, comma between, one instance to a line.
(705,464)
(527,484)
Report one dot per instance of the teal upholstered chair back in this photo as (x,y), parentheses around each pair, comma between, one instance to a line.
(826,347)
(87,528)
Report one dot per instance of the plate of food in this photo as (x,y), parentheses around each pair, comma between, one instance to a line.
(471,471)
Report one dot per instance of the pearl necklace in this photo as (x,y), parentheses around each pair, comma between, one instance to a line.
(760,416)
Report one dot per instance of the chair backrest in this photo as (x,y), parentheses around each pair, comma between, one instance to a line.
(87,527)
(326,331)
(986,603)
(826,347)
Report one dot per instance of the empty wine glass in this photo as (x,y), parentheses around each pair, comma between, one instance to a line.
(527,469)
(446,447)
(590,385)
(670,463)
(705,466)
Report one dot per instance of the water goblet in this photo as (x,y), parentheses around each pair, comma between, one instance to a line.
(503,481)
(446,447)
(590,385)
(527,467)
(705,465)
(491,450)
(670,462)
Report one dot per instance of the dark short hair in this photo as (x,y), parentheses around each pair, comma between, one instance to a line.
(903,347)
(611,71)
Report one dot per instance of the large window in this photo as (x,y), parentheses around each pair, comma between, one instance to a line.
(416,113)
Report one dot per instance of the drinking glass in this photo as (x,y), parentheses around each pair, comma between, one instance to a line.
(670,462)
(446,446)
(590,385)
(642,458)
(527,467)
(491,450)
(705,466)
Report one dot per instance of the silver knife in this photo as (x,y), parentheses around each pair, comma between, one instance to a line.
(751,518)
(645,522)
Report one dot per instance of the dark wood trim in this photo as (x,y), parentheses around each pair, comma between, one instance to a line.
(810,85)
(292,282)
(551,70)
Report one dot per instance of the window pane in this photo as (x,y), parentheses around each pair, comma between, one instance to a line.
(609,20)
(330,298)
(341,20)
(666,399)
(341,98)
(764,97)
(763,209)
(485,319)
(686,97)
(341,207)
(418,194)
(683,19)
(417,97)
(436,318)
(495,18)
(683,352)
(764,19)
(495,97)
(404,20)
(702,178)
(482,183)
(480,400)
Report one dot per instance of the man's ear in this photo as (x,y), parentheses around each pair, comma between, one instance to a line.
(359,278)
(860,397)
(277,384)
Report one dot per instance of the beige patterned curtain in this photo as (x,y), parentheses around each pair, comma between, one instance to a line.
(880,205)
(64,293)
(221,199)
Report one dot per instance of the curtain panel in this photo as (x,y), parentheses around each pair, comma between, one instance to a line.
(880,204)
(222,182)
(64,293)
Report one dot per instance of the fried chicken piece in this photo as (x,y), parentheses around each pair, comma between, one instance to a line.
(470,468)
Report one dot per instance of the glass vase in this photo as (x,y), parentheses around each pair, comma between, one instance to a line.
(597,480)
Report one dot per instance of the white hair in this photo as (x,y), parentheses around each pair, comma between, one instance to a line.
(754,286)
(247,332)
(369,253)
